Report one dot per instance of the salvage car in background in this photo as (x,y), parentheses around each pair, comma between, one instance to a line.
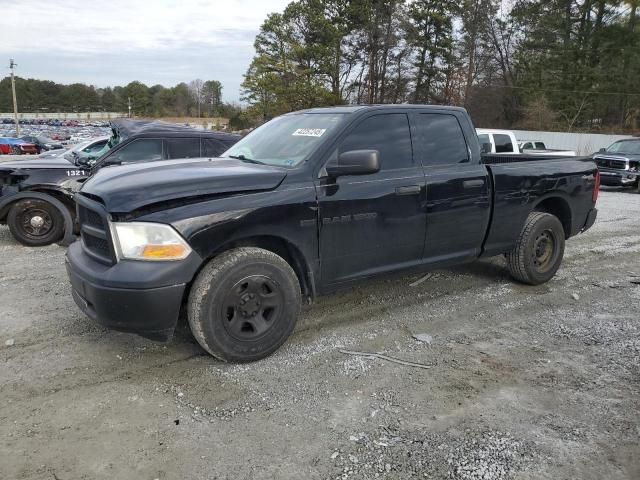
(619,163)
(36,196)
(43,144)
(17,146)
(88,148)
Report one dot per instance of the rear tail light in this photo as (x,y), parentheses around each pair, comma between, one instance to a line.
(596,187)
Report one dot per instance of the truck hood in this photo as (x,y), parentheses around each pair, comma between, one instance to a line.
(38,163)
(126,188)
(621,156)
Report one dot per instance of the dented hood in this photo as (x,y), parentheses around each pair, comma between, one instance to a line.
(126,188)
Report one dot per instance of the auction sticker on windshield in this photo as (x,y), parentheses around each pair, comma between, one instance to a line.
(309,132)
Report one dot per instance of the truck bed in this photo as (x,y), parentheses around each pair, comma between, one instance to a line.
(559,185)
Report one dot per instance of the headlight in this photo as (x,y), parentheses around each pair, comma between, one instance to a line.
(148,241)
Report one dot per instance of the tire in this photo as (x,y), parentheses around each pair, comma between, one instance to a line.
(539,249)
(244,304)
(35,222)
(16,151)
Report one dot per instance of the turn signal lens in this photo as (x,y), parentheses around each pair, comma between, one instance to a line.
(164,251)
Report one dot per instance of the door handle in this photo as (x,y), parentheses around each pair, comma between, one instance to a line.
(473,183)
(408,190)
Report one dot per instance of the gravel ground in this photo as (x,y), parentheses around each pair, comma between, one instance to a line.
(524,382)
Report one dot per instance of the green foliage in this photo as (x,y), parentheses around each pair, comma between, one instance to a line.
(561,64)
(156,101)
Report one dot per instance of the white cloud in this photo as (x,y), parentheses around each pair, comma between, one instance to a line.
(44,36)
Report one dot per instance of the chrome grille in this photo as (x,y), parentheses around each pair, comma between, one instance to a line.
(614,163)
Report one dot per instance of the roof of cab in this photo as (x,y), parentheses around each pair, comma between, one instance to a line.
(361,108)
(129,127)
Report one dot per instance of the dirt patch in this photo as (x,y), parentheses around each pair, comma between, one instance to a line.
(525,382)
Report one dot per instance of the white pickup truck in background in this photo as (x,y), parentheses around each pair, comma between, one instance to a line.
(504,142)
(536,147)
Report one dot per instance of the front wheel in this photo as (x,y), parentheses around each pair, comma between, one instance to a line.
(539,249)
(35,222)
(244,304)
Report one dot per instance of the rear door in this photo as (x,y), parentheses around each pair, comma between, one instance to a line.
(373,223)
(457,189)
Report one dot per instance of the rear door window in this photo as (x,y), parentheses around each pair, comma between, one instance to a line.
(503,143)
(183,147)
(442,139)
(540,146)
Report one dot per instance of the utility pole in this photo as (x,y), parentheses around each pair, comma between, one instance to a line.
(12,65)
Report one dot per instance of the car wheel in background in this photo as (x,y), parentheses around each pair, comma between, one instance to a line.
(539,249)
(244,304)
(35,223)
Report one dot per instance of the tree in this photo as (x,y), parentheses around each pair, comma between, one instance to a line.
(195,87)
(212,96)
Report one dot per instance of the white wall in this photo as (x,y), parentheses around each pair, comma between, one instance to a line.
(581,143)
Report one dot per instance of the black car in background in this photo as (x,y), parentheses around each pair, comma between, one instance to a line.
(619,163)
(43,144)
(36,196)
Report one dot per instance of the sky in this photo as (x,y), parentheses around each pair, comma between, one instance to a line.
(109,43)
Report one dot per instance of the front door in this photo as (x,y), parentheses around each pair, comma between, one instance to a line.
(373,223)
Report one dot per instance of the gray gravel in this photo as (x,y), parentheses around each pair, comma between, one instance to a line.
(525,382)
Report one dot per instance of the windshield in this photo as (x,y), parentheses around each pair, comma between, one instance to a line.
(626,146)
(285,141)
(80,146)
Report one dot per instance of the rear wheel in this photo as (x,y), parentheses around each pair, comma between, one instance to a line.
(539,250)
(35,222)
(244,304)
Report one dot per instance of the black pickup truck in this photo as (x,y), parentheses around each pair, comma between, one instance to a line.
(619,163)
(36,196)
(308,203)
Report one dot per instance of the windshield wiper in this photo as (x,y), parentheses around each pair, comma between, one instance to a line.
(245,159)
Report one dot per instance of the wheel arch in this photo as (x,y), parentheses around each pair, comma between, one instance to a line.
(284,248)
(559,207)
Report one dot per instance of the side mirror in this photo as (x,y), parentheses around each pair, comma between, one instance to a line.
(485,148)
(114,160)
(355,162)
(602,150)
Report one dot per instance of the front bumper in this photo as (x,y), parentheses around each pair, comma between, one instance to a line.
(621,178)
(136,297)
